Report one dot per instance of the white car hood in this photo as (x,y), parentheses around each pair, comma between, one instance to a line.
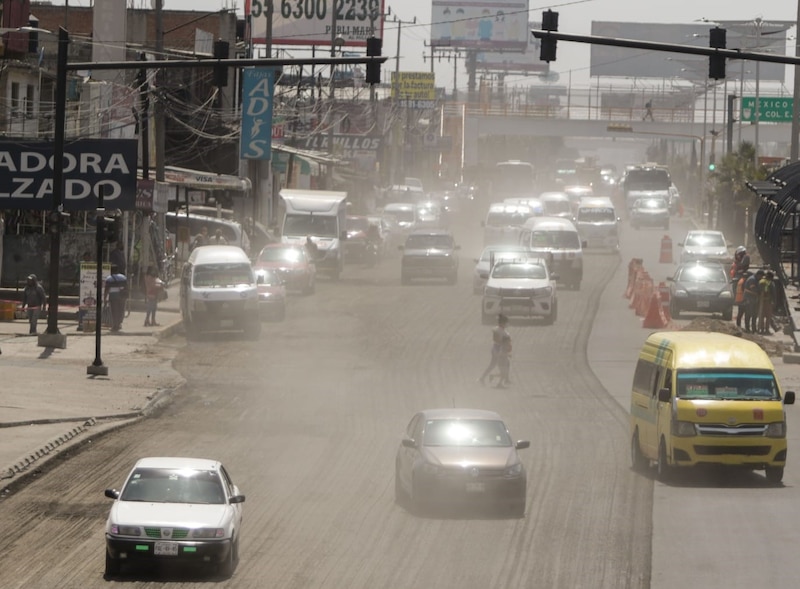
(518,282)
(701,250)
(170,515)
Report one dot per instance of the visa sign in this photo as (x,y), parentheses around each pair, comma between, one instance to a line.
(258,85)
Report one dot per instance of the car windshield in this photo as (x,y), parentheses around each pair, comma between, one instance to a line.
(705,240)
(701,273)
(281,254)
(401,215)
(519,271)
(651,203)
(554,207)
(320,226)
(745,385)
(357,224)
(555,239)
(167,485)
(596,214)
(268,278)
(222,275)
(506,218)
(466,432)
(415,242)
(503,253)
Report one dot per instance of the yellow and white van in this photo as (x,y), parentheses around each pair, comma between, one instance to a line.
(701,398)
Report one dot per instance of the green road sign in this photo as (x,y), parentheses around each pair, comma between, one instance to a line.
(770,109)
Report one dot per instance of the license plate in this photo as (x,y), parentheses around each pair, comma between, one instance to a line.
(520,309)
(166,549)
(476,487)
(703,304)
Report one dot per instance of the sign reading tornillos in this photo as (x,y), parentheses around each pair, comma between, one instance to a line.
(89,165)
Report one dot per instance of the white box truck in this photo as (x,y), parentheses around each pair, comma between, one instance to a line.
(320,215)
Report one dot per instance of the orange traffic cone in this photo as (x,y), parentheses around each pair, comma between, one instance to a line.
(655,318)
(663,291)
(666,250)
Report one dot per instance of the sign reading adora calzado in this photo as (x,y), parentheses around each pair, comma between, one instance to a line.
(90,165)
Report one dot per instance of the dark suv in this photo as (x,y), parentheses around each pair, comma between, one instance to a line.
(429,254)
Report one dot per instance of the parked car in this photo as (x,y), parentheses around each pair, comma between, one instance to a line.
(650,212)
(292,263)
(271,295)
(429,254)
(520,288)
(175,510)
(355,246)
(701,287)
(452,456)
(490,255)
(707,245)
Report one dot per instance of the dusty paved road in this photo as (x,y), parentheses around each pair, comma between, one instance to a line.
(308,419)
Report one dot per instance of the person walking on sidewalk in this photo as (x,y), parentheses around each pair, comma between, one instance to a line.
(751,302)
(501,353)
(153,286)
(766,303)
(115,292)
(34,299)
(738,293)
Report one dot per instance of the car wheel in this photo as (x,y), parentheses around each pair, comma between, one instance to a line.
(638,460)
(226,566)
(727,315)
(674,311)
(663,469)
(113,565)
(774,474)
(551,318)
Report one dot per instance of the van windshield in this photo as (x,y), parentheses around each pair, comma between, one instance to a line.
(222,275)
(745,385)
(554,207)
(555,239)
(507,219)
(316,225)
(595,214)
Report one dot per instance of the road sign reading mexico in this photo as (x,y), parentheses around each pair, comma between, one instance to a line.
(770,109)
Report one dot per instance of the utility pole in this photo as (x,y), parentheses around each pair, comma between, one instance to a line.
(399,146)
(334,40)
(795,151)
(159,118)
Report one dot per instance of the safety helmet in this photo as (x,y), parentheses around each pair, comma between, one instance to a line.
(740,250)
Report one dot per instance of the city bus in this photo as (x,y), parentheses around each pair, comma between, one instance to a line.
(513,178)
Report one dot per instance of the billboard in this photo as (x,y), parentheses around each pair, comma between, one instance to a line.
(258,86)
(491,25)
(414,89)
(310,22)
(527,62)
(90,165)
(640,63)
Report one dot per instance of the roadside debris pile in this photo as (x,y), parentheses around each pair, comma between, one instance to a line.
(773,345)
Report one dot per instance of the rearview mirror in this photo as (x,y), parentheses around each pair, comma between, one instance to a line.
(788,398)
(522,444)
(409,443)
(664,395)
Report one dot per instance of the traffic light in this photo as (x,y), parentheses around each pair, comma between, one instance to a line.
(221,51)
(109,228)
(711,165)
(374,48)
(716,63)
(547,52)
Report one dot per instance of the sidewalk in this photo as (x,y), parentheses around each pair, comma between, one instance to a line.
(48,401)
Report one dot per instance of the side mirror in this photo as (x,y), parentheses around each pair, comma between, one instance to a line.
(260,279)
(408,443)
(664,395)
(114,494)
(788,398)
(522,444)
(670,279)
(236,499)
(555,277)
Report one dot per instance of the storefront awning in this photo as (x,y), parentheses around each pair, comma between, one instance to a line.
(204,180)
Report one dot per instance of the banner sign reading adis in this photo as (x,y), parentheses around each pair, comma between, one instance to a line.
(90,165)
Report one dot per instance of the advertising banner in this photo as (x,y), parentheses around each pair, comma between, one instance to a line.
(361,150)
(490,25)
(90,165)
(258,86)
(309,22)
(87,305)
(414,89)
(527,62)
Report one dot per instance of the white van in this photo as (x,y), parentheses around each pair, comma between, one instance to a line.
(218,291)
(598,223)
(556,204)
(503,223)
(557,238)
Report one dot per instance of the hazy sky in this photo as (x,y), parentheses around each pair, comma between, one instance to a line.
(574,17)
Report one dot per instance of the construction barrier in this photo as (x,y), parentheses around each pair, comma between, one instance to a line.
(633,267)
(645,294)
(666,250)
(655,319)
(7,310)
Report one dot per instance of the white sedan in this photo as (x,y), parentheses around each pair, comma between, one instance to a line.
(175,510)
(520,288)
(491,254)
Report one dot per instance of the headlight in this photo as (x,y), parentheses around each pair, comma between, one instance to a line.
(681,293)
(430,469)
(208,533)
(776,430)
(725,294)
(491,291)
(543,292)
(683,429)
(119,530)
(514,471)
